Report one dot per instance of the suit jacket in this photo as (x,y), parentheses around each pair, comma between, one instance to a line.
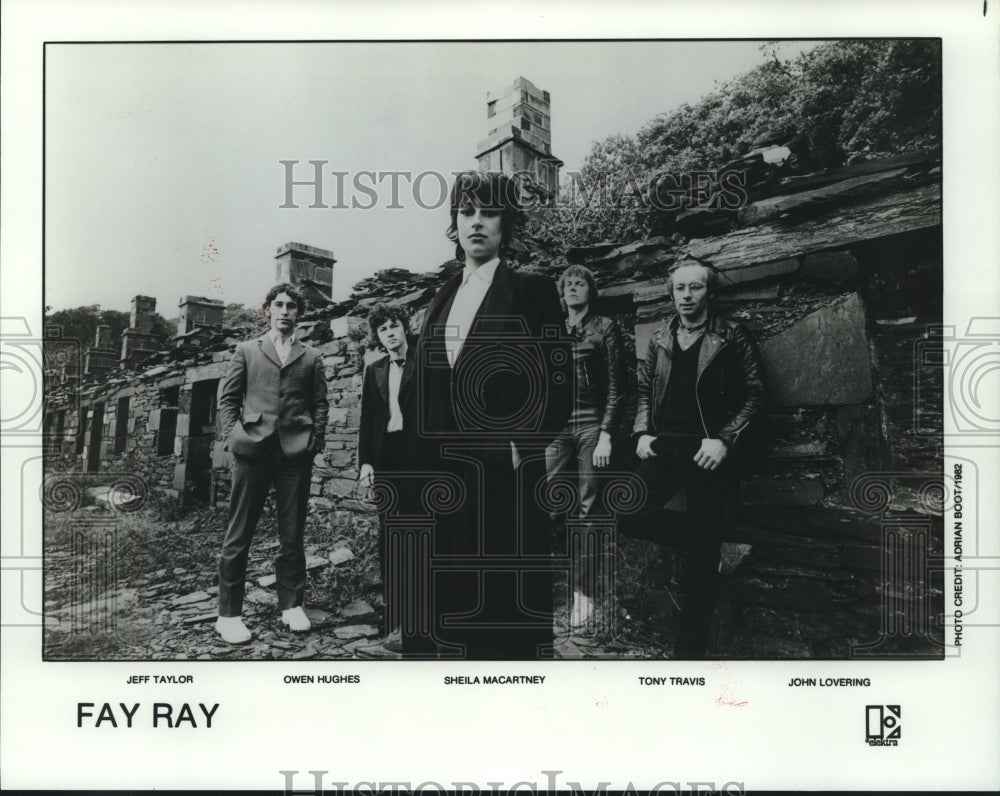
(513,378)
(375,406)
(512,382)
(263,400)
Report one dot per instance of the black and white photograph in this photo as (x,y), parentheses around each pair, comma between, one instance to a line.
(496,378)
(691,426)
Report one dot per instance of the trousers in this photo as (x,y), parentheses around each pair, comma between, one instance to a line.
(573,450)
(404,547)
(699,540)
(252,482)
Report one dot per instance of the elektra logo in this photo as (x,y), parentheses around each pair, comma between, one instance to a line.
(883,726)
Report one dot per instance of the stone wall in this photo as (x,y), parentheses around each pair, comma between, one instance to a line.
(837,497)
(850,414)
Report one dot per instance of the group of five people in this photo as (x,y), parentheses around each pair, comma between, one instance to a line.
(513,388)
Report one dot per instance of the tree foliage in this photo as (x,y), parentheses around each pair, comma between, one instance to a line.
(247,319)
(850,100)
(80,324)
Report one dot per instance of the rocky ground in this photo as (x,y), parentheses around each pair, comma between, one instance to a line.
(104,600)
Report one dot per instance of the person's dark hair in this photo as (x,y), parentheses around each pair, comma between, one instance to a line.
(711,277)
(490,190)
(381,313)
(588,276)
(293,293)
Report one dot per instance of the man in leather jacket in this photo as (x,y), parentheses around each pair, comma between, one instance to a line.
(597,410)
(700,390)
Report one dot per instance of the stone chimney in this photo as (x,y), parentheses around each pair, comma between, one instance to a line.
(138,341)
(308,268)
(102,339)
(519,140)
(102,357)
(198,312)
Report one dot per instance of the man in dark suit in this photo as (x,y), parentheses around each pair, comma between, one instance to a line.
(273,408)
(386,459)
(495,387)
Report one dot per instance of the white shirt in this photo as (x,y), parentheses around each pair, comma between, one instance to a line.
(283,347)
(475,284)
(395,413)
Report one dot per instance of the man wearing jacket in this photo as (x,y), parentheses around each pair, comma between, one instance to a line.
(273,407)
(700,388)
(584,444)
(386,457)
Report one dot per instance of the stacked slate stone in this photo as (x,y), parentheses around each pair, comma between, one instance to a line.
(839,276)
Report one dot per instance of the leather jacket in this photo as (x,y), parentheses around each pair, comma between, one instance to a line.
(599,358)
(729,389)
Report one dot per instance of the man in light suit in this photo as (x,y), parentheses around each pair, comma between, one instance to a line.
(495,387)
(273,408)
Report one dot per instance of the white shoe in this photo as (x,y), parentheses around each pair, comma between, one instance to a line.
(232,629)
(296,619)
(582,613)
(394,641)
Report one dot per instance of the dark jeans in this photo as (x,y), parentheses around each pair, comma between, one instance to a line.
(404,542)
(699,539)
(573,451)
(252,481)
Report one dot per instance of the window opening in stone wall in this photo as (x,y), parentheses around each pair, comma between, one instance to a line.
(81,431)
(121,425)
(168,421)
(203,406)
(201,437)
(491,109)
(96,437)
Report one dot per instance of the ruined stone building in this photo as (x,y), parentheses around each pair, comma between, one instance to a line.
(520,136)
(834,532)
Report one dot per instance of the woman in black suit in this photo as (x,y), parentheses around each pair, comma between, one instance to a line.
(495,387)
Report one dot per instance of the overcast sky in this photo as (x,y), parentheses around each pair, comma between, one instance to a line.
(162,160)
